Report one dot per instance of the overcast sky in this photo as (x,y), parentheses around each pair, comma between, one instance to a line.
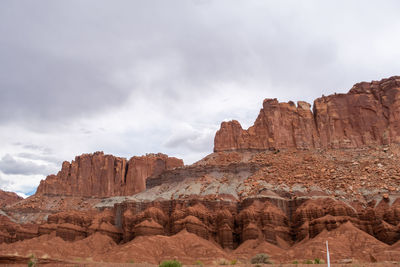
(136,77)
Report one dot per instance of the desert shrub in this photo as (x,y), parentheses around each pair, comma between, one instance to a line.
(198,263)
(223,262)
(233,262)
(171,263)
(261,258)
(295,262)
(318,261)
(32,261)
(308,262)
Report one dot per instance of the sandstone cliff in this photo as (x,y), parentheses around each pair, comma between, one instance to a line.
(369,114)
(99,175)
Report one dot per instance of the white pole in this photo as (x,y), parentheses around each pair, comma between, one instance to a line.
(327,255)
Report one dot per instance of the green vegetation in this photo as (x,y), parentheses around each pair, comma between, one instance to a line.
(198,263)
(318,261)
(131,261)
(171,263)
(261,258)
(233,262)
(32,261)
(315,261)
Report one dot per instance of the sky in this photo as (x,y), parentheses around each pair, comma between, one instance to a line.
(136,77)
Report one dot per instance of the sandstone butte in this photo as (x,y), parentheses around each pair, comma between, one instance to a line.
(99,175)
(293,180)
(369,114)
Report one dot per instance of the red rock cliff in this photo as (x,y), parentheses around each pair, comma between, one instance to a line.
(100,175)
(369,114)
(8,198)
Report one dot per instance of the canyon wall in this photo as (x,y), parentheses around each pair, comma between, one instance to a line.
(369,114)
(99,175)
(279,221)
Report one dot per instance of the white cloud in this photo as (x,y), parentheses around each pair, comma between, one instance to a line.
(24,184)
(22,194)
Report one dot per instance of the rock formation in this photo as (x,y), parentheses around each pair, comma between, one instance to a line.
(283,187)
(368,115)
(7,198)
(99,175)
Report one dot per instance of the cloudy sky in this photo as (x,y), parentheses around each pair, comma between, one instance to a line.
(134,77)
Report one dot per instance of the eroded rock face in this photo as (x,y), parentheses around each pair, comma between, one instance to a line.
(279,221)
(369,114)
(77,225)
(274,221)
(99,175)
(7,198)
(207,219)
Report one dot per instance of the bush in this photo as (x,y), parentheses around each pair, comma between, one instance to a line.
(308,262)
(172,263)
(233,262)
(198,263)
(319,261)
(32,261)
(295,262)
(261,258)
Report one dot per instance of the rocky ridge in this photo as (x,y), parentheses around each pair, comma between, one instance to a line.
(368,115)
(7,198)
(99,175)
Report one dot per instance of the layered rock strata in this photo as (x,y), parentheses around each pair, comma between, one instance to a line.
(279,221)
(369,114)
(99,175)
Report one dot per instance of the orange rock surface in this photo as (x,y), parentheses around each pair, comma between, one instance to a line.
(99,175)
(7,198)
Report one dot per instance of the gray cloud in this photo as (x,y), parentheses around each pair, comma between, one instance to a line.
(130,77)
(38,149)
(11,165)
(75,59)
(191,140)
(46,158)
